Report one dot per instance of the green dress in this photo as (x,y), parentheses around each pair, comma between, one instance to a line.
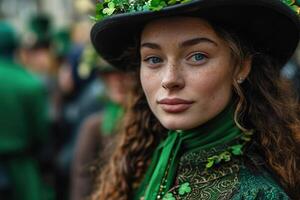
(23,127)
(212,162)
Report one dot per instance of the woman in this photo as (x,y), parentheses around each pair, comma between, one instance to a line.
(97,133)
(212,119)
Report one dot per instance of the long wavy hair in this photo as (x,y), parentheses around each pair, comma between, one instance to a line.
(264,103)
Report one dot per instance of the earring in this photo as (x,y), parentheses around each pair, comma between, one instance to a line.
(240,80)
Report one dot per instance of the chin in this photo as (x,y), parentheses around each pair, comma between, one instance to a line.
(176,125)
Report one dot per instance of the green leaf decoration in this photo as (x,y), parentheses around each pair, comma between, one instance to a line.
(209,164)
(234,150)
(94,18)
(172,2)
(225,156)
(110,10)
(248,133)
(156,5)
(295,8)
(289,2)
(146,7)
(112,7)
(99,7)
(246,138)
(215,158)
(237,149)
(185,189)
(169,196)
(294,5)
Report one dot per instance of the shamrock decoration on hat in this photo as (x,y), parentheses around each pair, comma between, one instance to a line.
(111,7)
(294,4)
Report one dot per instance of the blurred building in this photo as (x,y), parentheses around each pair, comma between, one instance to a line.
(63,12)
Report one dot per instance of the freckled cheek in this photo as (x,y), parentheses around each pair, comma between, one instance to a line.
(211,85)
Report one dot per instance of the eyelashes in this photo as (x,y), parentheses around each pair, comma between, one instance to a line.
(195,58)
(153,60)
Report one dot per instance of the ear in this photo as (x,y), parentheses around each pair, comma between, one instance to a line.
(244,70)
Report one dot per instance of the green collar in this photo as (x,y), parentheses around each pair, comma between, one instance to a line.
(113,113)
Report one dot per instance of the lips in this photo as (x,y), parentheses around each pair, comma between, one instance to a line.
(175,105)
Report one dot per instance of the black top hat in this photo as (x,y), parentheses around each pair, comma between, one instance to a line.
(270,25)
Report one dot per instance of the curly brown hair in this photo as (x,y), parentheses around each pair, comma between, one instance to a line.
(265,103)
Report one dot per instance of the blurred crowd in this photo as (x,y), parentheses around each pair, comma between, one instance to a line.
(60,107)
(55,92)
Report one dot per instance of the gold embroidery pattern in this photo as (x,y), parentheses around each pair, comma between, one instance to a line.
(219,182)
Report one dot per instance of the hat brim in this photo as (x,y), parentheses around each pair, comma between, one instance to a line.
(271,26)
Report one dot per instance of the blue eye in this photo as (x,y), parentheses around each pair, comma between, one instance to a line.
(198,57)
(153,60)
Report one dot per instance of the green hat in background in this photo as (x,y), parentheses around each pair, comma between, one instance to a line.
(61,43)
(41,26)
(8,38)
(39,33)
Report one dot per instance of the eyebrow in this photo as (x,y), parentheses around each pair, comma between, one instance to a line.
(187,43)
(151,45)
(196,41)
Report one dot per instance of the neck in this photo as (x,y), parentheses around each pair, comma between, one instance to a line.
(221,129)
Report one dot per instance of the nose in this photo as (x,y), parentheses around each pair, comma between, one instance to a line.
(172,78)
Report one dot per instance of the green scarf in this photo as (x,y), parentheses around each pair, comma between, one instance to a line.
(113,113)
(162,171)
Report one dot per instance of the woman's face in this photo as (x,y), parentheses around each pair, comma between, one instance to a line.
(186,71)
(118,84)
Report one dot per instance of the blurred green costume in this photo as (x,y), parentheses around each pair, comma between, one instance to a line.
(23,125)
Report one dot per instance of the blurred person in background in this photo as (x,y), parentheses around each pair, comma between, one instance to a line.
(81,92)
(43,52)
(291,71)
(36,53)
(60,48)
(23,124)
(95,140)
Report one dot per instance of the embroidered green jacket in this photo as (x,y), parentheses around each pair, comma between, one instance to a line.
(242,178)
(214,161)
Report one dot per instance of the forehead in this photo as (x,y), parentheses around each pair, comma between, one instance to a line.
(172,27)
